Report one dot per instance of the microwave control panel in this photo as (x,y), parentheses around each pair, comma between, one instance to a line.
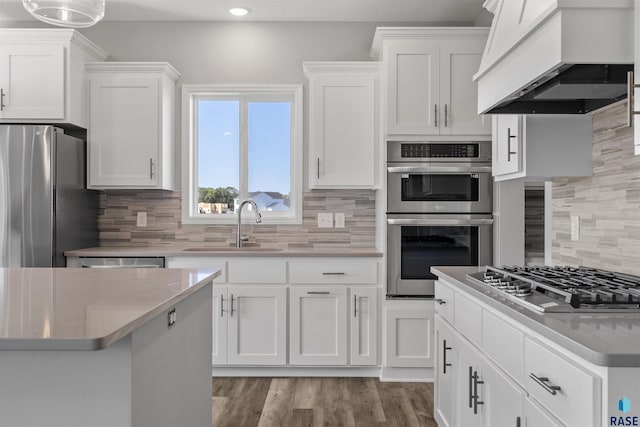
(420,150)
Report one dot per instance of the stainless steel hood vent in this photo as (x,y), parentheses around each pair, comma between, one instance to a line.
(555,56)
(573,89)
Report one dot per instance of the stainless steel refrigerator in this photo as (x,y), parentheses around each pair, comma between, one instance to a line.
(45,208)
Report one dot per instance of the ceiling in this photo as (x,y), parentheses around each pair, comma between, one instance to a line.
(415,11)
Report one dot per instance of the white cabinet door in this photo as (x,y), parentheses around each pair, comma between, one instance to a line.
(257,325)
(364,325)
(507,144)
(412,70)
(536,416)
(343,124)
(220,321)
(459,61)
(32,81)
(124,132)
(318,327)
(502,399)
(445,375)
(409,338)
(464,388)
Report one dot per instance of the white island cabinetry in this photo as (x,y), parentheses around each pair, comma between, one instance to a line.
(534,371)
(121,347)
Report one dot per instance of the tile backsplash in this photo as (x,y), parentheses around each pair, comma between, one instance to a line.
(608,203)
(118,209)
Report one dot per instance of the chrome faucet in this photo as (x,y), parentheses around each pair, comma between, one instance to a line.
(239,238)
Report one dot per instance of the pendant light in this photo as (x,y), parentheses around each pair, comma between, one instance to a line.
(66,13)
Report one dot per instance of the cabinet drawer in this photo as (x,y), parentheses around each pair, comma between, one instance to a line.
(468,318)
(444,301)
(334,272)
(504,344)
(190,262)
(257,272)
(574,403)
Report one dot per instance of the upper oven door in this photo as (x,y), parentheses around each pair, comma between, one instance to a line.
(451,188)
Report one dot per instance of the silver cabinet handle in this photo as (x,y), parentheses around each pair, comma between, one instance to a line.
(439,301)
(470,387)
(476,396)
(509,152)
(151,168)
(435,115)
(318,292)
(355,305)
(221,305)
(231,305)
(318,167)
(542,382)
(631,86)
(444,357)
(333,274)
(2,100)
(445,115)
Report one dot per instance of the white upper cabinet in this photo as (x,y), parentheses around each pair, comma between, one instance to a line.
(131,125)
(539,147)
(42,75)
(343,124)
(429,80)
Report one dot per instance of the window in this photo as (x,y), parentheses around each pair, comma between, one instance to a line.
(239,143)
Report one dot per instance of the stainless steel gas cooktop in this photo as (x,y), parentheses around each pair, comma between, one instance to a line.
(563,289)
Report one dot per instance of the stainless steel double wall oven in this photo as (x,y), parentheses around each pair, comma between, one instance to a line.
(439,211)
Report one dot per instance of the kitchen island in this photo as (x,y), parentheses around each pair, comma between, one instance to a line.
(117,347)
(499,363)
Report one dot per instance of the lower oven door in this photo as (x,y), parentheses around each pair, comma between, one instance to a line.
(415,243)
(462,188)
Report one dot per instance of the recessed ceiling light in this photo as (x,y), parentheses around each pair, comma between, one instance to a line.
(239,11)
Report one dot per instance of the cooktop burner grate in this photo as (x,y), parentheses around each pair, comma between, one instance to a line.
(580,287)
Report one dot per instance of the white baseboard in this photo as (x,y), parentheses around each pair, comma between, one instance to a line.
(279,371)
(414,375)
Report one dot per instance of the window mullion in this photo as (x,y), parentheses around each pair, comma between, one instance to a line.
(244,148)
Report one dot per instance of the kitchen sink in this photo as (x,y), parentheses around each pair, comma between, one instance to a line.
(233,249)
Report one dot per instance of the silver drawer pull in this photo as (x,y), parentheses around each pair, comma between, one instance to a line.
(439,301)
(333,274)
(318,292)
(542,381)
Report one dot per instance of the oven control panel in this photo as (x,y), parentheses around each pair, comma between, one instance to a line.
(408,150)
(439,151)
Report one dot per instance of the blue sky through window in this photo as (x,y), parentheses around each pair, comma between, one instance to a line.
(269,134)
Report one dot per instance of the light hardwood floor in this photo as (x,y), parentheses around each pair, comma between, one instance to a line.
(284,402)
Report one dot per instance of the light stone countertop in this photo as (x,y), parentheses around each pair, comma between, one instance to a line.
(86,309)
(221,251)
(605,339)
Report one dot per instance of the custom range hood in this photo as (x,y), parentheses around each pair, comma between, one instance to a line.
(555,56)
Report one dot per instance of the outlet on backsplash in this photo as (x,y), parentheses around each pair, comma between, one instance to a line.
(141,219)
(339,220)
(575,228)
(325,220)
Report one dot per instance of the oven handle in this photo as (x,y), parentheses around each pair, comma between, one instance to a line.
(439,169)
(438,221)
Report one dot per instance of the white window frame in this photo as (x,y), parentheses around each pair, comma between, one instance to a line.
(190,95)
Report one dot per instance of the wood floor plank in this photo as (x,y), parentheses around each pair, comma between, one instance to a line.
(278,405)
(320,402)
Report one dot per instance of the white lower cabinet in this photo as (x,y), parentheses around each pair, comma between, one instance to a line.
(256,325)
(409,338)
(363,342)
(505,375)
(469,389)
(447,370)
(318,325)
